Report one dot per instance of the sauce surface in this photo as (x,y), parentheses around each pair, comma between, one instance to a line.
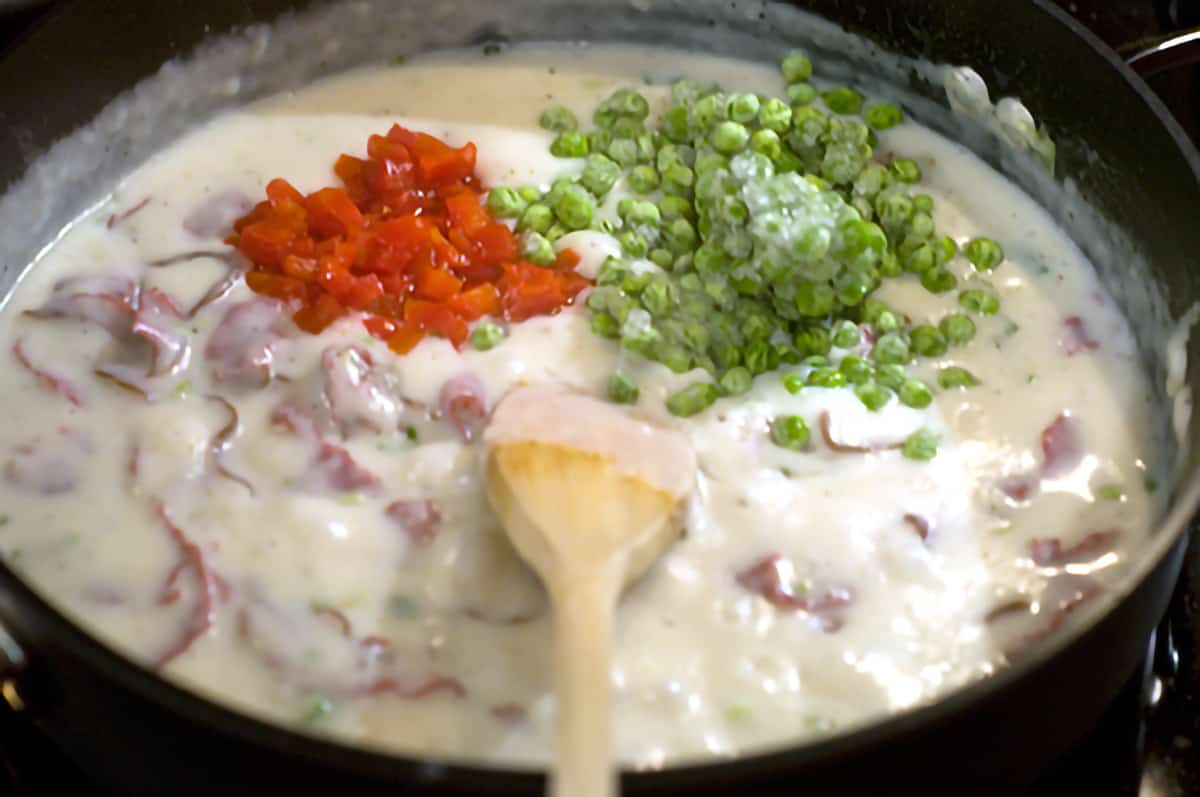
(319,550)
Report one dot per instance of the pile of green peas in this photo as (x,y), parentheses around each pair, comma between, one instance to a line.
(770,223)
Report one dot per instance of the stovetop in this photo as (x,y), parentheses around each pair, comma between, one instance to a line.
(1148,744)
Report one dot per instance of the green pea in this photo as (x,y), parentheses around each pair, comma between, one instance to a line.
(979,302)
(486,335)
(812,341)
(921,260)
(663,258)
(536,218)
(692,399)
(927,341)
(845,335)
(801,94)
(767,142)
(952,377)
(600,174)
(923,203)
(736,381)
(857,370)
(796,66)
(905,170)
(742,107)
(558,119)
(790,432)
(920,446)
(891,376)
(729,137)
(675,124)
(814,299)
(599,140)
(681,236)
(944,250)
(505,203)
(793,383)
(622,389)
(641,212)
(575,208)
(886,322)
(605,325)
(624,151)
(775,115)
(675,207)
(679,175)
(915,393)
(938,280)
(569,145)
(643,179)
(757,356)
(632,104)
(920,225)
(656,298)
(816,361)
(957,328)
(873,396)
(889,265)
(843,100)
(984,253)
(826,377)
(890,349)
(537,249)
(706,111)
(633,243)
(882,116)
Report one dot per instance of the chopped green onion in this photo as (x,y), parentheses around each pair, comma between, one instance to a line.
(318,711)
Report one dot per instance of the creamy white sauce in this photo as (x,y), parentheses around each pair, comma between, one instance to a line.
(703,667)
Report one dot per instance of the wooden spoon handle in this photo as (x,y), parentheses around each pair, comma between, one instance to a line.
(583,668)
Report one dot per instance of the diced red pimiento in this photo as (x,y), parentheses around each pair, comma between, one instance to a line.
(359,396)
(49,464)
(767,579)
(241,346)
(222,444)
(213,217)
(419,519)
(406,243)
(1062,447)
(203,614)
(1075,337)
(833,444)
(340,620)
(117,218)
(463,403)
(510,713)
(331,467)
(918,524)
(425,688)
(1051,553)
(157,322)
(49,381)
(108,302)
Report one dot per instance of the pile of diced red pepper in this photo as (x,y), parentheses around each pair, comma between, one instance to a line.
(407,241)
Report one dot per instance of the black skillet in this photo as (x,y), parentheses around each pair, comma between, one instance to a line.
(137,734)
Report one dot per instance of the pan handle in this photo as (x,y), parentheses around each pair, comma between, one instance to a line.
(1150,57)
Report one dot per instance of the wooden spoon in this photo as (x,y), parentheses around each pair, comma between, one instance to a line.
(590,497)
